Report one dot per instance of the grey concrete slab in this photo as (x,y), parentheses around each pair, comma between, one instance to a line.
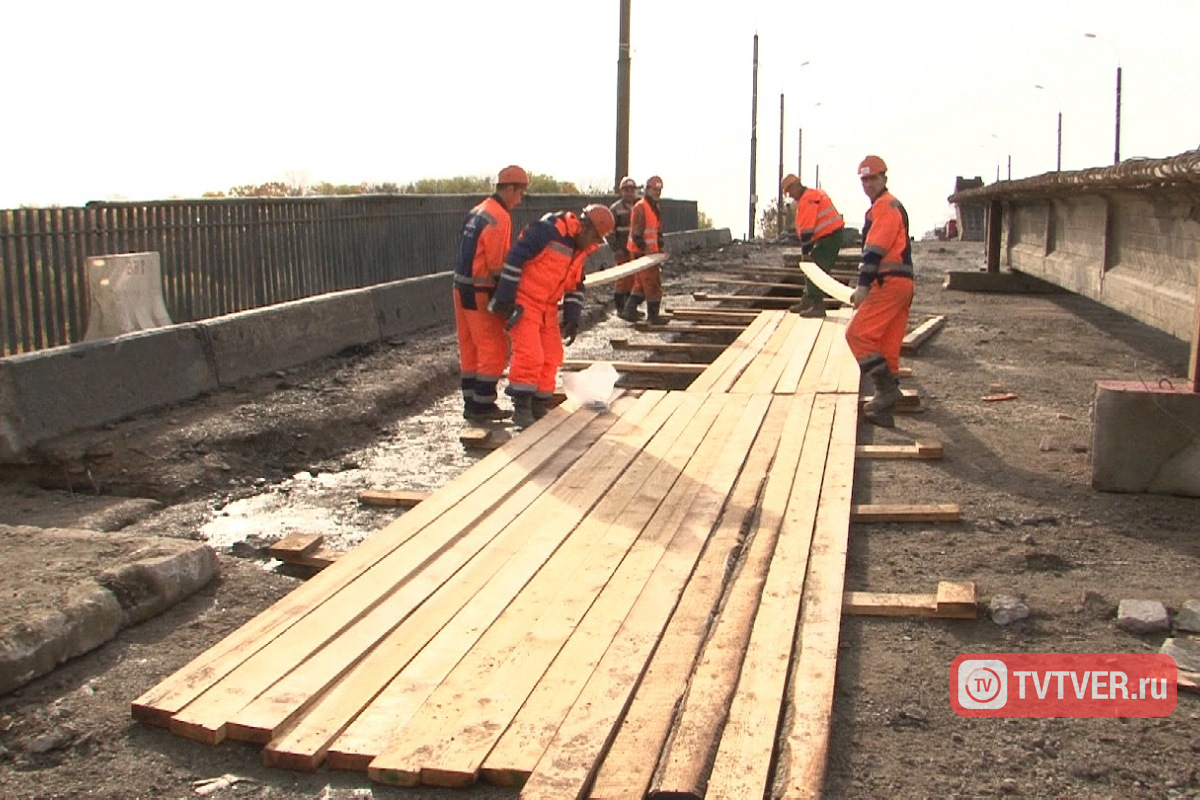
(1144,438)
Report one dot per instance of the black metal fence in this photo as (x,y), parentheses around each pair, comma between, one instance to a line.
(222,256)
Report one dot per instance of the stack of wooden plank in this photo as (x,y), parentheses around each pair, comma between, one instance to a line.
(609,605)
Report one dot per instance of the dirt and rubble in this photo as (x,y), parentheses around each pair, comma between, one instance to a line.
(291,452)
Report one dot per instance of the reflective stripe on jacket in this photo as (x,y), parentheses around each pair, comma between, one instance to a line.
(486,236)
(545,267)
(816,216)
(645,228)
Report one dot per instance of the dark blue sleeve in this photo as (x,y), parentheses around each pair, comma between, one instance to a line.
(468,243)
(532,241)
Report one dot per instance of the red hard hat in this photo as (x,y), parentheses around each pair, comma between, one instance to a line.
(871,165)
(787,181)
(601,218)
(654,182)
(627,181)
(513,174)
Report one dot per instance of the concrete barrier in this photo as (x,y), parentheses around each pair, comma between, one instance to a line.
(1145,438)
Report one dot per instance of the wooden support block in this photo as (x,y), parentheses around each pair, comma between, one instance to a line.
(920,450)
(391,498)
(878,512)
(1187,681)
(921,334)
(953,600)
(295,545)
(484,438)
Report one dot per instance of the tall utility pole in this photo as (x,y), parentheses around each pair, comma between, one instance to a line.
(622,166)
(800,155)
(779,180)
(753,141)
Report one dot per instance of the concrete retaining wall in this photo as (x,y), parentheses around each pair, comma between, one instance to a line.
(53,392)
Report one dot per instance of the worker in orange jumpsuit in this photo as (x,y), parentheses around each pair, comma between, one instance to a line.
(819,228)
(482,343)
(618,240)
(645,238)
(543,268)
(884,293)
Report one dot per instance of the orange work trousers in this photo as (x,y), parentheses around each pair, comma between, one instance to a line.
(482,343)
(537,351)
(648,283)
(623,285)
(878,326)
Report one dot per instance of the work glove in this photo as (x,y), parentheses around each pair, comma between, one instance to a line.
(569,331)
(859,294)
(501,308)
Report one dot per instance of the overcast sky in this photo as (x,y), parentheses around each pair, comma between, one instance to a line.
(145,100)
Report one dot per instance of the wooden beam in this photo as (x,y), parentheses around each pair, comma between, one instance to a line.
(952,601)
(921,334)
(657,367)
(392,498)
(646,327)
(612,274)
(723,316)
(742,298)
(919,450)
(667,347)
(879,512)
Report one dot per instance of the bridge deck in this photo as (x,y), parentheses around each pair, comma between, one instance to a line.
(606,606)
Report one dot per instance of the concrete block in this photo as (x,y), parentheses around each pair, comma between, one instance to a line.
(414,303)
(1145,438)
(124,294)
(51,392)
(263,340)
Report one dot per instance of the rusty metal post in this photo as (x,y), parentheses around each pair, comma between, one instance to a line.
(623,75)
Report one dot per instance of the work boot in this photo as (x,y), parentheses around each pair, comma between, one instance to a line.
(804,305)
(815,310)
(883,419)
(630,312)
(619,301)
(484,412)
(522,410)
(653,313)
(540,407)
(887,391)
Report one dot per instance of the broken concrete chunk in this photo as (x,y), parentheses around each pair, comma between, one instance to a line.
(1005,609)
(1186,652)
(1142,616)
(1188,618)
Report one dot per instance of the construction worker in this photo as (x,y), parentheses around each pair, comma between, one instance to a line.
(645,238)
(819,228)
(884,293)
(618,240)
(482,343)
(545,267)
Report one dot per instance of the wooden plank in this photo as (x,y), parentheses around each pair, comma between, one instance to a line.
(801,770)
(762,373)
(653,367)
(723,372)
(921,334)
(392,498)
(919,450)
(697,348)
(570,762)
(296,544)
(743,298)
(715,315)
(953,600)
(722,281)
(629,764)
(689,329)
(938,512)
(740,770)
(956,599)
(559,509)
(663,554)
(687,756)
(507,466)
(612,274)
(484,438)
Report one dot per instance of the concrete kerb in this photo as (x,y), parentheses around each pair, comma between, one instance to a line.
(85,614)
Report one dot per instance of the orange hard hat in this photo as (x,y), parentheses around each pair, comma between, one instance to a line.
(627,181)
(787,181)
(654,182)
(871,165)
(513,174)
(600,217)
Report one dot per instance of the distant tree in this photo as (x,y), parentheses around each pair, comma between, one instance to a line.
(383,188)
(325,188)
(768,220)
(272,189)
(703,221)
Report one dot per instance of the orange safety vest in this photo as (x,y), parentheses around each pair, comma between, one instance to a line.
(486,236)
(645,226)
(545,264)
(886,245)
(816,216)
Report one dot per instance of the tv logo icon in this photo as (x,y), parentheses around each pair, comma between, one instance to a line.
(982,683)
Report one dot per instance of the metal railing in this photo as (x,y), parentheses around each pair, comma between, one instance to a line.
(227,255)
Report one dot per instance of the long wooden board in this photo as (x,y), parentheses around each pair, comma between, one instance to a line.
(654,367)
(697,348)
(614,273)
(921,334)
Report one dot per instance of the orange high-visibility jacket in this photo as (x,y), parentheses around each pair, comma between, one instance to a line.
(486,236)
(816,216)
(645,228)
(886,247)
(545,266)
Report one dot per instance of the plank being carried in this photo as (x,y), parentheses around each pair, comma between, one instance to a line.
(615,273)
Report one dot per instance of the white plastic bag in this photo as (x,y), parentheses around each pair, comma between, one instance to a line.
(593,387)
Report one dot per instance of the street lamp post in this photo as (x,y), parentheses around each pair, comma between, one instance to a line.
(1058,159)
(1007,148)
(1117,142)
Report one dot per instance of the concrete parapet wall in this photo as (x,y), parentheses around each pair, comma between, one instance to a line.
(1146,439)
(53,392)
